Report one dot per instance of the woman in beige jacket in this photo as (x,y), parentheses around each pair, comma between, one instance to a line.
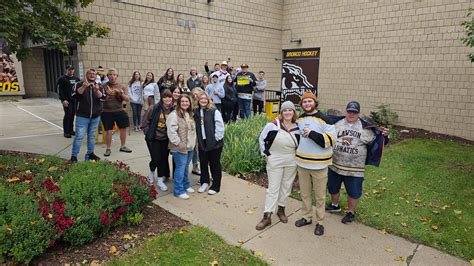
(181,130)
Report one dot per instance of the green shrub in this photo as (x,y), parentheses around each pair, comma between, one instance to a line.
(135,219)
(384,116)
(114,196)
(24,233)
(43,200)
(241,154)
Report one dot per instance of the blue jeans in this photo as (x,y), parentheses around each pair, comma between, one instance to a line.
(83,126)
(181,170)
(244,106)
(137,111)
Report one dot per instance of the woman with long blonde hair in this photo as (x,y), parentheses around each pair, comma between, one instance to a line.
(210,138)
(181,130)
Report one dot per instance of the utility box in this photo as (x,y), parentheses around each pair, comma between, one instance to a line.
(271,109)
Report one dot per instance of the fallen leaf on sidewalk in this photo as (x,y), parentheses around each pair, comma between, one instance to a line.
(383,232)
(249,212)
(389,249)
(260,254)
(399,258)
(271,258)
(364,237)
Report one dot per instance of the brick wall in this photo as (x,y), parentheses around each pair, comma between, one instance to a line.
(146,36)
(404,53)
(34,75)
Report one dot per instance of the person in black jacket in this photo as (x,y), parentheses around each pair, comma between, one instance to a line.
(245,81)
(194,80)
(154,127)
(89,98)
(230,108)
(210,137)
(167,81)
(65,84)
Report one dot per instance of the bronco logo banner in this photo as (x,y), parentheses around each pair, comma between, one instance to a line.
(300,71)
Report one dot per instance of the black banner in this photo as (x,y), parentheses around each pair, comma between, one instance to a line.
(300,71)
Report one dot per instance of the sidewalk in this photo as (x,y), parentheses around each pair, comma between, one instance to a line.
(35,126)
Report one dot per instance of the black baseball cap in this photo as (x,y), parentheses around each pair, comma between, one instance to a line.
(70,67)
(353,106)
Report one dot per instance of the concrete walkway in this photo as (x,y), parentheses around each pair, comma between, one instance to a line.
(35,126)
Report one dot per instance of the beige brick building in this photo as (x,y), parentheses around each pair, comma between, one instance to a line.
(404,53)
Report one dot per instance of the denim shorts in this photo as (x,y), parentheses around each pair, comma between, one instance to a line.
(352,184)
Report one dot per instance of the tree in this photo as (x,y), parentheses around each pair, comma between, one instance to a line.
(53,23)
(469,27)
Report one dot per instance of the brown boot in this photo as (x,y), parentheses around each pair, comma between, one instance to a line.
(266,221)
(281,214)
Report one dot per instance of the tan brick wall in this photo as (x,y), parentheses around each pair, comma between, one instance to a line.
(145,36)
(404,53)
(34,75)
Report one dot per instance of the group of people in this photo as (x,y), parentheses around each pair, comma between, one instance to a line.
(325,151)
(188,123)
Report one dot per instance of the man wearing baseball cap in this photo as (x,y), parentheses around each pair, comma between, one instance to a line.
(221,74)
(245,81)
(65,86)
(313,156)
(358,143)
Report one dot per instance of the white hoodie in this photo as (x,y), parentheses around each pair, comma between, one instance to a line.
(135,92)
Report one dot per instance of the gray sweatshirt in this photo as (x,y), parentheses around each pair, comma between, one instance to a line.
(259,89)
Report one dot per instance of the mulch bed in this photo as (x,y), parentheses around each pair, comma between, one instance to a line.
(404,133)
(156,221)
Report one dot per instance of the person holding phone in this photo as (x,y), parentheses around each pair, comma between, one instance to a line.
(313,156)
(89,96)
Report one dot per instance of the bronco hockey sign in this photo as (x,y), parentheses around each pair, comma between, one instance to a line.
(300,70)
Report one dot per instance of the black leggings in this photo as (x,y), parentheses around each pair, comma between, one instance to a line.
(159,153)
(211,159)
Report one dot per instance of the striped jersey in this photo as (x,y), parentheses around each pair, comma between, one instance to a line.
(316,150)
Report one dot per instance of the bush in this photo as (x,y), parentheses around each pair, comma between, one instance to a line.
(241,154)
(39,206)
(115,195)
(384,116)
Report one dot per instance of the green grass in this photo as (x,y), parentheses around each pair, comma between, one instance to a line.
(193,245)
(423,191)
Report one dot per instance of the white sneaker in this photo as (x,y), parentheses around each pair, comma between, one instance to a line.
(183,196)
(203,188)
(151,177)
(161,184)
(211,192)
(190,190)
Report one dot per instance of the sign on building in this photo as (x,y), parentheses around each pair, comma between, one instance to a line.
(300,70)
(10,71)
